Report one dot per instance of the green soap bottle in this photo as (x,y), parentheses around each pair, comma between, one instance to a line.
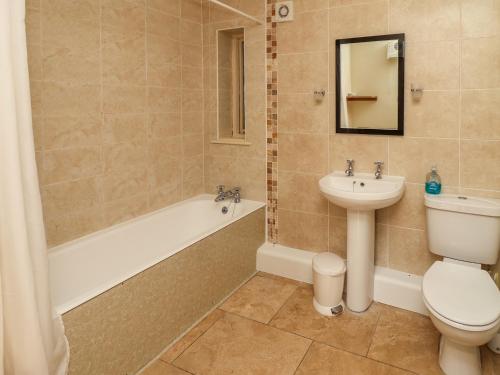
(433,182)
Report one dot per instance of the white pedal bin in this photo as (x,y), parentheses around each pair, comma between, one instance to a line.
(328,278)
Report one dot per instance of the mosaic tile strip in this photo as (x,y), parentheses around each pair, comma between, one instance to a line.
(272,123)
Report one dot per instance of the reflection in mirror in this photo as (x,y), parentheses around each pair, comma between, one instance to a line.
(231,83)
(370,85)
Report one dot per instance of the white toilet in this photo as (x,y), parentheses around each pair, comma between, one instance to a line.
(463,300)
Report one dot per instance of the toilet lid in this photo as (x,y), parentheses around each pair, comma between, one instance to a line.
(461,294)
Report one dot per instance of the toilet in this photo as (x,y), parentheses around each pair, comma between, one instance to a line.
(462,299)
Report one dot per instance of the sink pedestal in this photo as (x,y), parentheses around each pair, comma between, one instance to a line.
(360,258)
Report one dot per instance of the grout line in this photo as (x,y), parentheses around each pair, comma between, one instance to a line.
(304,356)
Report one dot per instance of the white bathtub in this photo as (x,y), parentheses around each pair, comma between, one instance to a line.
(87,267)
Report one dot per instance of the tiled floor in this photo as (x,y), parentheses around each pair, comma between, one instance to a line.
(269,326)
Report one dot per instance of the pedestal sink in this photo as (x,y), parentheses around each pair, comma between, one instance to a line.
(361,195)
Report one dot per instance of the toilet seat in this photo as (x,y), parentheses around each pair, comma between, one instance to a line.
(461,296)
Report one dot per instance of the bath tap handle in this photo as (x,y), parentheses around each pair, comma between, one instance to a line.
(220,188)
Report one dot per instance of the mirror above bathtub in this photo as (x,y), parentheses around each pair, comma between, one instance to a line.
(231,122)
(370,85)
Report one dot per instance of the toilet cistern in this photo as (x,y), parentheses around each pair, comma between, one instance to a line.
(361,195)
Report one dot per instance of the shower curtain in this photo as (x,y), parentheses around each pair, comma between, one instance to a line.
(32,340)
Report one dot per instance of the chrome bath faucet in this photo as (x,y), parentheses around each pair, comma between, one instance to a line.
(234,193)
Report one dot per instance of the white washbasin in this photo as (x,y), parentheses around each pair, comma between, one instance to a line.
(362,191)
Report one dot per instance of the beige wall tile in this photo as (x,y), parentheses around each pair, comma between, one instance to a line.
(311,67)
(124,99)
(124,156)
(303,231)
(76,65)
(338,236)
(99,116)
(123,58)
(301,113)
(480,18)
(307,33)
(165,196)
(67,99)
(414,157)
(359,20)
(125,209)
(36,97)
(410,210)
(35,61)
(192,176)
(192,145)
(479,156)
(381,245)
(481,114)
(432,65)
(310,5)
(70,226)
(123,16)
(191,10)
(172,7)
(163,24)
(425,20)
(72,163)
(300,192)
(70,23)
(192,78)
(435,115)
(191,33)
(124,184)
(365,150)
(192,122)
(61,198)
(124,128)
(68,131)
(481,63)
(164,125)
(304,153)
(408,250)
(163,100)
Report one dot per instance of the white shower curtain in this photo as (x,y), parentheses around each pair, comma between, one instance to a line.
(32,340)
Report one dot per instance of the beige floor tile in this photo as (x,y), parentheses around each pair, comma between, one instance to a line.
(323,359)
(191,336)
(349,331)
(406,340)
(259,299)
(284,279)
(162,368)
(236,345)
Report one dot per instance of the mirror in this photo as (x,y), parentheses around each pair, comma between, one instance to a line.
(231,84)
(370,85)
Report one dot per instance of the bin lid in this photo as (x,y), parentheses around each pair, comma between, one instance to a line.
(328,264)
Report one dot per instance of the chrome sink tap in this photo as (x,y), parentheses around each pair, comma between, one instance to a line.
(234,193)
(350,169)
(378,171)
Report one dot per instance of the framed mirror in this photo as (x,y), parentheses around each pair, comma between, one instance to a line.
(231,124)
(370,85)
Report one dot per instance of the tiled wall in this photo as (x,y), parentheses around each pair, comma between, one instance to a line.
(117,89)
(236,165)
(453,52)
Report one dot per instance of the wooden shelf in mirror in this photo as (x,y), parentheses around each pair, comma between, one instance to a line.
(361,98)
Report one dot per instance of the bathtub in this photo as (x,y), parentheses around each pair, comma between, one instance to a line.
(82,269)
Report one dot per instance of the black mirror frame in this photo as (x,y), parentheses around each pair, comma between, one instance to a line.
(401,84)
